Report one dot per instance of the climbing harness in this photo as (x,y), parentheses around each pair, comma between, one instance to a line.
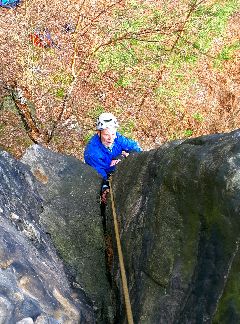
(121,262)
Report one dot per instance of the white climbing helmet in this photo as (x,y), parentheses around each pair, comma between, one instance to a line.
(107,120)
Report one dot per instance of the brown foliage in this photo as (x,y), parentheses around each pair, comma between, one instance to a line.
(68,92)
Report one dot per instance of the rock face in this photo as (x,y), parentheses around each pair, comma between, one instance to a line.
(33,283)
(178,209)
(71,215)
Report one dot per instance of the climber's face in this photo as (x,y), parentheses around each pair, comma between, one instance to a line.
(107,136)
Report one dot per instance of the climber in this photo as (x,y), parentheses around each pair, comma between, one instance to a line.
(107,148)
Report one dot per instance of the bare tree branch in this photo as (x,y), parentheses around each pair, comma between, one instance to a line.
(180,32)
(192,9)
(98,15)
(20,101)
(74,77)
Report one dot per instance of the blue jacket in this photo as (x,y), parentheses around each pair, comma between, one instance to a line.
(9,3)
(100,157)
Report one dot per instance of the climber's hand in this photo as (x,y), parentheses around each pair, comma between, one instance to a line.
(104,196)
(114,162)
(124,154)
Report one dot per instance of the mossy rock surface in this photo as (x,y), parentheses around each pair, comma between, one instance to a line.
(178,210)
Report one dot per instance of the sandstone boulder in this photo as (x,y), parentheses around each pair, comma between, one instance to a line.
(33,285)
(71,215)
(179,213)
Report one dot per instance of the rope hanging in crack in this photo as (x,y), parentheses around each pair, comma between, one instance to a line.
(121,262)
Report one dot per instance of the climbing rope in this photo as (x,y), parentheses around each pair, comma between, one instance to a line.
(121,262)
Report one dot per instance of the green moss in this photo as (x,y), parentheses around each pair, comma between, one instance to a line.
(96,111)
(123,82)
(60,93)
(88,136)
(8,104)
(228,310)
(198,116)
(188,132)
(190,231)
(73,248)
(127,128)
(2,127)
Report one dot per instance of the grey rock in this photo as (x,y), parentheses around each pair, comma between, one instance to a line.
(178,208)
(6,309)
(44,319)
(33,281)
(178,211)
(27,320)
(71,215)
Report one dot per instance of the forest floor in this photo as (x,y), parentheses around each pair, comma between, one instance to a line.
(209,104)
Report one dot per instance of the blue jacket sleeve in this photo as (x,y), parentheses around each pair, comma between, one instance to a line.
(128,144)
(96,163)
